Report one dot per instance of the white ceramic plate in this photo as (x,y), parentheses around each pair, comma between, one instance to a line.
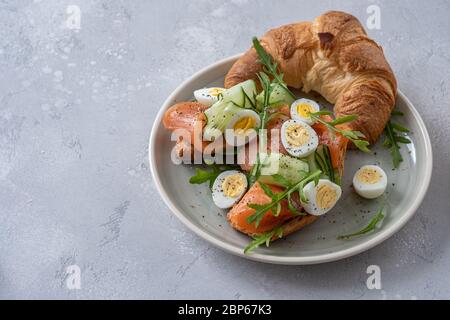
(316,243)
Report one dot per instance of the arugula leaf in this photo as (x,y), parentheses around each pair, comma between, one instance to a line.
(202,176)
(396,113)
(281,180)
(323,113)
(256,170)
(305,181)
(265,237)
(269,66)
(266,189)
(402,139)
(259,208)
(327,156)
(399,127)
(353,136)
(361,145)
(322,157)
(344,119)
(391,142)
(371,226)
(393,139)
(265,83)
(277,210)
(274,206)
(291,207)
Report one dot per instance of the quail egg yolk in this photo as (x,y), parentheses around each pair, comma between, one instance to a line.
(214,92)
(326,196)
(233,185)
(368,176)
(297,135)
(304,109)
(244,124)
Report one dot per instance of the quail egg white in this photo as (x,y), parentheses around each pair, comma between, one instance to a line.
(301,108)
(208,96)
(241,128)
(370,181)
(228,188)
(321,197)
(298,138)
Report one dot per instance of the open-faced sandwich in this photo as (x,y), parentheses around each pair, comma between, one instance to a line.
(276,159)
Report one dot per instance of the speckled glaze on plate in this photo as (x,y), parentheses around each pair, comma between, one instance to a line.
(317,243)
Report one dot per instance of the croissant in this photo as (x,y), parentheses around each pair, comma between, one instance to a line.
(333,56)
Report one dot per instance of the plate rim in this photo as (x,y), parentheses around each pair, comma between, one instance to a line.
(321,258)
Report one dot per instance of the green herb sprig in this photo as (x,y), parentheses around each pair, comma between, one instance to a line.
(353,136)
(266,84)
(270,66)
(265,237)
(322,157)
(393,138)
(256,170)
(202,176)
(275,205)
(371,226)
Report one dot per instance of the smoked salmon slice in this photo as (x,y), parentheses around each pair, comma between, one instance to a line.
(186,115)
(238,215)
(337,144)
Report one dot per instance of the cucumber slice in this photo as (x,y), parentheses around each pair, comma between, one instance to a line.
(278,96)
(290,169)
(243,94)
(312,162)
(218,115)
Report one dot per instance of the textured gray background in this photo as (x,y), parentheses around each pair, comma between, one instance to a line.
(76,109)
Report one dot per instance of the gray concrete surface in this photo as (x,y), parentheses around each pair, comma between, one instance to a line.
(76,108)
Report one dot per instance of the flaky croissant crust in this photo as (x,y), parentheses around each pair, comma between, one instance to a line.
(333,56)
